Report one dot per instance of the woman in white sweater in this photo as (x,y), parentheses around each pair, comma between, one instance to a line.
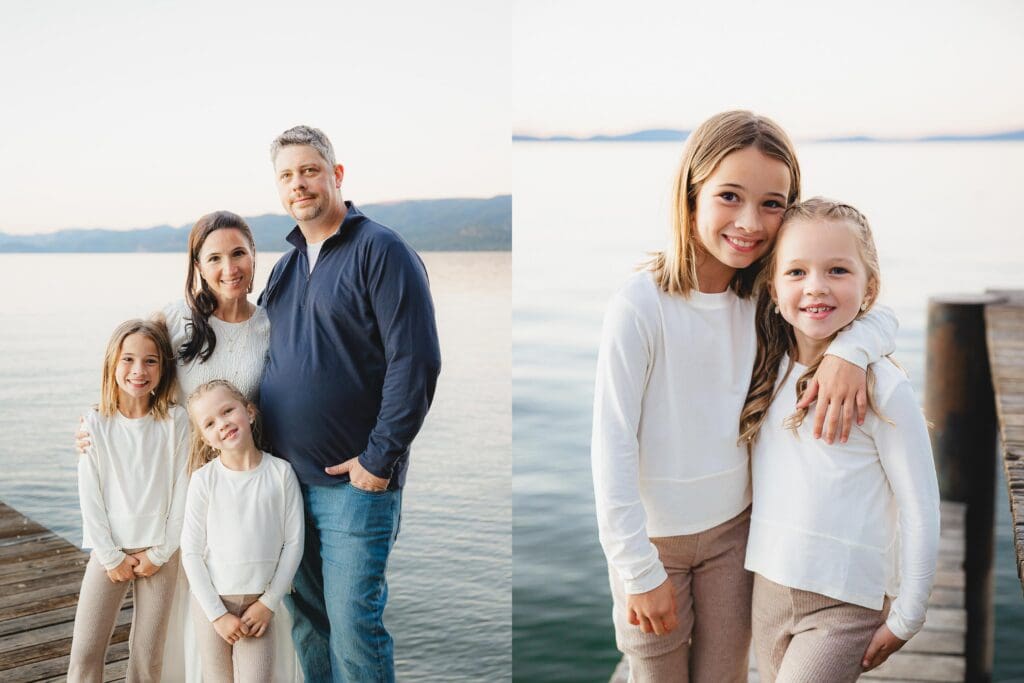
(836,531)
(672,486)
(242,536)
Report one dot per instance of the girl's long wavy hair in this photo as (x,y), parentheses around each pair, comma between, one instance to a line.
(200,452)
(162,397)
(775,338)
(675,268)
(200,298)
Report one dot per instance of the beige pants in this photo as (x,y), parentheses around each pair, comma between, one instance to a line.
(804,636)
(249,660)
(712,592)
(99,602)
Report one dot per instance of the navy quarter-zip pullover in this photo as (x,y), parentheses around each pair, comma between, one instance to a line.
(354,355)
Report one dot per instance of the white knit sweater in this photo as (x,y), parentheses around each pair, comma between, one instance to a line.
(238,357)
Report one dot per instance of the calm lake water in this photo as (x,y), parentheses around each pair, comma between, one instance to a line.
(450,573)
(946,219)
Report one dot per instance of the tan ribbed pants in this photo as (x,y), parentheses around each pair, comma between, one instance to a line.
(99,602)
(249,660)
(801,636)
(712,592)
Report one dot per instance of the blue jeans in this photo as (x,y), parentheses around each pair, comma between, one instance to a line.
(340,587)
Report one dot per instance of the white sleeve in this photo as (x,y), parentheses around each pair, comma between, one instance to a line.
(294,542)
(868,339)
(94,512)
(623,364)
(906,456)
(193,549)
(174,315)
(176,510)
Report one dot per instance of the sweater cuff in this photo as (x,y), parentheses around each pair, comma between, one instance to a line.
(378,467)
(108,560)
(851,354)
(155,557)
(646,582)
(900,627)
(215,612)
(269,601)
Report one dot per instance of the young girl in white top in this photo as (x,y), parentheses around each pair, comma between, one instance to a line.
(834,529)
(131,484)
(671,484)
(242,537)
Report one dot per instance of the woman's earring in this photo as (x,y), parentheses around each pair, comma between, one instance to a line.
(864,306)
(776,309)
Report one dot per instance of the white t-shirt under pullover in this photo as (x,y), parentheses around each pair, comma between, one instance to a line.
(854,521)
(243,533)
(672,377)
(131,485)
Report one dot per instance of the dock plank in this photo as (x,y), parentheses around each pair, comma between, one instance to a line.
(40,575)
(1004,328)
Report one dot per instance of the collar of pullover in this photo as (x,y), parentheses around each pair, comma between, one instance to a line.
(354,215)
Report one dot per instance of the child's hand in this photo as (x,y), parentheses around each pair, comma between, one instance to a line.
(257,617)
(123,571)
(882,644)
(230,628)
(842,393)
(82,437)
(144,568)
(655,610)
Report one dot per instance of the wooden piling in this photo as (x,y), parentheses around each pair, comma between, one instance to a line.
(959,402)
(1004,324)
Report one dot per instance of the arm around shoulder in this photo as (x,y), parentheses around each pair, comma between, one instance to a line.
(867,339)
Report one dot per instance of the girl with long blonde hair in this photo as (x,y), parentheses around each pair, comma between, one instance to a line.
(131,485)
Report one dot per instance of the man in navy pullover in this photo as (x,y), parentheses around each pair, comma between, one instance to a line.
(351,371)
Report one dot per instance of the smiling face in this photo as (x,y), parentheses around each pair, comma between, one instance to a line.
(820,281)
(307,185)
(137,372)
(226,264)
(739,210)
(224,422)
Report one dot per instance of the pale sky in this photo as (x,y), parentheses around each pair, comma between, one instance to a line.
(891,67)
(129,114)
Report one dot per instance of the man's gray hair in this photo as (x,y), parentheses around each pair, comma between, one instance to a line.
(304,135)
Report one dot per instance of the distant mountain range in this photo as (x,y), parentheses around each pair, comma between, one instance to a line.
(427,224)
(674,135)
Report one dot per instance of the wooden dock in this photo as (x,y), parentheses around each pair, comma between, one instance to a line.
(936,654)
(40,574)
(1004,325)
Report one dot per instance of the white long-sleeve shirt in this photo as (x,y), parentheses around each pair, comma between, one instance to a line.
(672,377)
(131,485)
(238,357)
(854,521)
(243,533)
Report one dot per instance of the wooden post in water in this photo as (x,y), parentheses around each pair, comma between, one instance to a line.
(959,401)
